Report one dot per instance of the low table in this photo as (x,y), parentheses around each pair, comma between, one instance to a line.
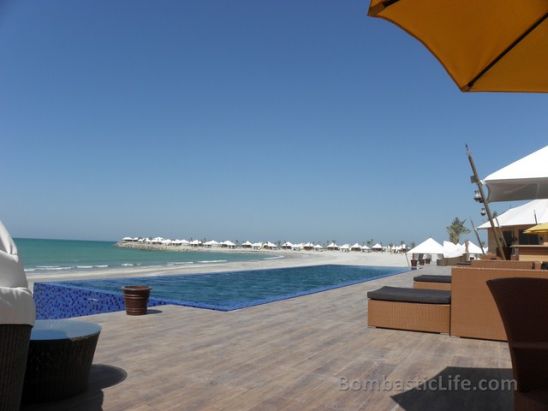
(59,359)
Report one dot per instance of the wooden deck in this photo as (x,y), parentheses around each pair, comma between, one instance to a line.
(289,355)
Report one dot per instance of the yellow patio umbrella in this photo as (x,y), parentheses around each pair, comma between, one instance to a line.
(538,229)
(485,45)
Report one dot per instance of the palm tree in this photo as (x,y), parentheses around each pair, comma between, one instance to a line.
(456,229)
(370,243)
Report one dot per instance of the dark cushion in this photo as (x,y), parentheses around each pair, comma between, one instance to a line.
(433,278)
(411,295)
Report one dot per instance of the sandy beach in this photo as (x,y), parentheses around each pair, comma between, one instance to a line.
(265,260)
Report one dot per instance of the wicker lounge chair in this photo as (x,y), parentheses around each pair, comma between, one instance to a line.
(409,309)
(523,307)
(16,320)
(432,282)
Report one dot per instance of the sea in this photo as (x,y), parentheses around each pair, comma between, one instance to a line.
(43,256)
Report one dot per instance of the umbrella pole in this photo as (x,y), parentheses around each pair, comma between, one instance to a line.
(477,236)
(499,239)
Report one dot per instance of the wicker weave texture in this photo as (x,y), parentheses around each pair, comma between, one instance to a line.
(58,369)
(14,343)
(409,316)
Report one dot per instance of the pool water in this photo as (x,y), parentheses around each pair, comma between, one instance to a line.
(239,289)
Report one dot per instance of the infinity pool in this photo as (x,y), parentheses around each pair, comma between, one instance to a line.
(234,290)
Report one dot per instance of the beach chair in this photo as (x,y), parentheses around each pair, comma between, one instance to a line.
(523,306)
(409,309)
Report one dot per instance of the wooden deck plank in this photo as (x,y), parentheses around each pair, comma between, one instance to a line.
(286,355)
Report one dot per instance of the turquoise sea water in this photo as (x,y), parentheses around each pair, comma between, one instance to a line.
(58,255)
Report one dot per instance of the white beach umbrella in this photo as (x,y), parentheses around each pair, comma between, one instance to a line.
(333,246)
(195,242)
(247,244)
(16,303)
(257,245)
(297,246)
(524,179)
(365,248)
(211,243)
(356,247)
(270,245)
(345,247)
(127,239)
(318,247)
(377,247)
(228,244)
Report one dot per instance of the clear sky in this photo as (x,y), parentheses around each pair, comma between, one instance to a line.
(260,120)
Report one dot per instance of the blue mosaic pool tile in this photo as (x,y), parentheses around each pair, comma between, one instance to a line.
(55,301)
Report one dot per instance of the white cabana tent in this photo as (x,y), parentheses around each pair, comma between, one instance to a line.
(287,245)
(318,247)
(532,213)
(524,179)
(195,243)
(270,246)
(228,244)
(333,246)
(211,243)
(345,247)
(297,246)
(257,246)
(247,244)
(452,250)
(365,248)
(429,246)
(356,247)
(308,246)
(473,249)
(377,247)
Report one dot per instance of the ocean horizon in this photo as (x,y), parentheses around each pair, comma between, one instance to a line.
(54,255)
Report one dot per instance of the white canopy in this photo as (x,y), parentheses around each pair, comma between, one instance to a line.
(247,244)
(257,245)
(364,247)
(318,247)
(195,242)
(287,244)
(524,179)
(228,243)
(377,247)
(473,248)
(268,244)
(356,246)
(522,215)
(429,246)
(345,247)
(211,242)
(452,250)
(333,246)
(16,303)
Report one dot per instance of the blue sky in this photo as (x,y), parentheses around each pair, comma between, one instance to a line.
(259,120)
